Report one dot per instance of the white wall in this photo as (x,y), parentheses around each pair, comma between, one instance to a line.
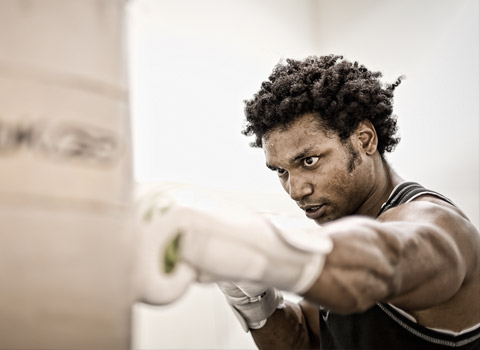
(192,65)
(435,44)
(194,62)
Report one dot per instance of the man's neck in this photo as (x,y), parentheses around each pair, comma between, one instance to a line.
(386,180)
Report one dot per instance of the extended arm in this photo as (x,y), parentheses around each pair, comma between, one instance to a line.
(414,264)
(416,256)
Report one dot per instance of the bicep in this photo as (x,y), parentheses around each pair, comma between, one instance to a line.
(446,258)
(418,264)
(430,271)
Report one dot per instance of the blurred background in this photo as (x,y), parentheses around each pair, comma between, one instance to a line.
(192,63)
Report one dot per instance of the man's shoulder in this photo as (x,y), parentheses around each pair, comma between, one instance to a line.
(427,208)
(446,218)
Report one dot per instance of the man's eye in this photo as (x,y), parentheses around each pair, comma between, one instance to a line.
(310,161)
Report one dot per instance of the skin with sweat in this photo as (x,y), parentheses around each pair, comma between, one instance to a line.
(421,256)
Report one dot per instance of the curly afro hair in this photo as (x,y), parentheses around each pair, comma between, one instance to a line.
(340,93)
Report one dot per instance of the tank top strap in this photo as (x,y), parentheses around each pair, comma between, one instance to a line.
(406,192)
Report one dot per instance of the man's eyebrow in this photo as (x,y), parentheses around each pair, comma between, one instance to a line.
(302,154)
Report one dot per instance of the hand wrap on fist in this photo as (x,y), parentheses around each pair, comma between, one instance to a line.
(189,237)
(251,303)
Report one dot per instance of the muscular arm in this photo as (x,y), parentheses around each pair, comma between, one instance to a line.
(295,327)
(415,256)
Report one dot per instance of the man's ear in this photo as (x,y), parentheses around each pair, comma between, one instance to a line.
(367,136)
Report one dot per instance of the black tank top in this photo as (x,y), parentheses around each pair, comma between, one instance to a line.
(382,326)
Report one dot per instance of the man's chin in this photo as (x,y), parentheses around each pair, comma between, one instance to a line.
(322,221)
(325,219)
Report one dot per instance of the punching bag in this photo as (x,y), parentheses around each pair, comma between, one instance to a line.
(66,244)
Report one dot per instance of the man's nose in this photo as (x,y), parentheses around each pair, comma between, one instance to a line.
(298,188)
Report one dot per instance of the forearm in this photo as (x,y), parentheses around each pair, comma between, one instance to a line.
(285,329)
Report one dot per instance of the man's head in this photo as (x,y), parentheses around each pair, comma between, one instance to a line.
(324,125)
(340,93)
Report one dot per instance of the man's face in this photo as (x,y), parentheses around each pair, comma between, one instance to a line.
(328,179)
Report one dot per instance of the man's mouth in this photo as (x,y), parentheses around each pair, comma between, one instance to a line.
(315,211)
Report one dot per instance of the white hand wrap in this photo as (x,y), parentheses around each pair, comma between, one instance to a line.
(236,245)
(252,304)
(221,242)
